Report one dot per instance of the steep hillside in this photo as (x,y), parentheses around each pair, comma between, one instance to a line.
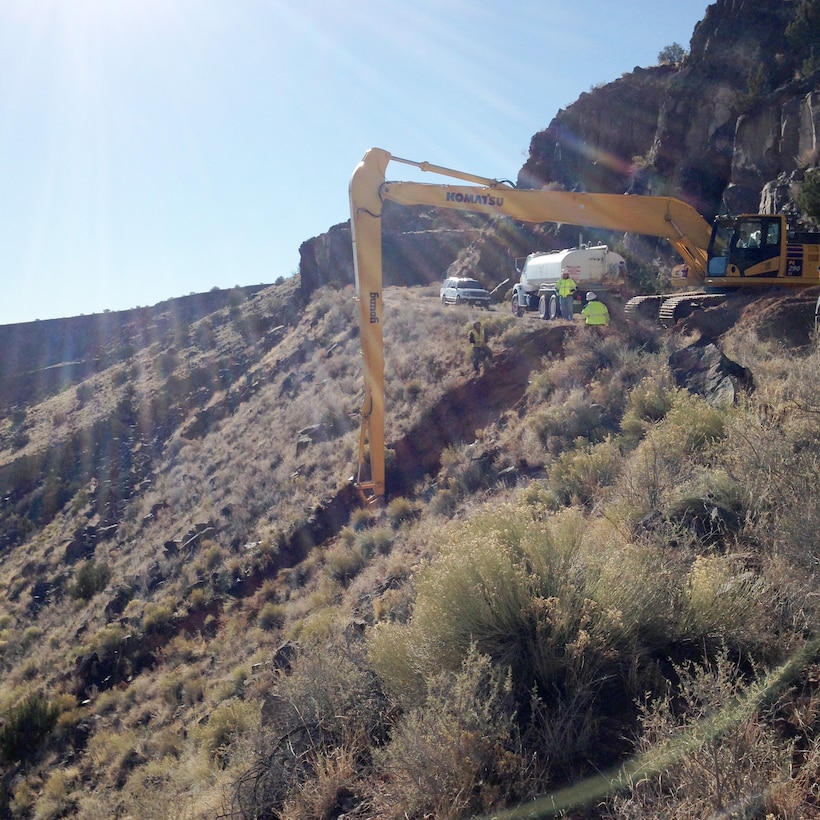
(598,555)
(198,615)
(42,357)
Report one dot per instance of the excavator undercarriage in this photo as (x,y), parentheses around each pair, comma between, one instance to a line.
(667,310)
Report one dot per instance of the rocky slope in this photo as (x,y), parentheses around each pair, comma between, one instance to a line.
(161,519)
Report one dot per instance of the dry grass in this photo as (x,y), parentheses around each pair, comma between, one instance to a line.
(499,614)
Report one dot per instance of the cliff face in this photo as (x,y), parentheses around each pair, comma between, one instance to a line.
(418,244)
(732,128)
(713,131)
(592,144)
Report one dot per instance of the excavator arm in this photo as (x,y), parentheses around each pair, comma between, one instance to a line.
(664,217)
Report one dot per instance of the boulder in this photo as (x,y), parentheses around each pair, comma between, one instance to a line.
(704,370)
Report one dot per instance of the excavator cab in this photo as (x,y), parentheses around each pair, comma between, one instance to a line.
(746,246)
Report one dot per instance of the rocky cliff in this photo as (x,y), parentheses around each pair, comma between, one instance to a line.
(731,128)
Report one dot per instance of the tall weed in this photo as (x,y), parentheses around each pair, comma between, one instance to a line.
(454,754)
(715,763)
(578,476)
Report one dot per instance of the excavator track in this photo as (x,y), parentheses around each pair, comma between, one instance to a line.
(682,305)
(650,308)
(666,310)
(643,308)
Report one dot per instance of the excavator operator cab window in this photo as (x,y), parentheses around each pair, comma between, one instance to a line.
(737,245)
(773,233)
(749,234)
(756,240)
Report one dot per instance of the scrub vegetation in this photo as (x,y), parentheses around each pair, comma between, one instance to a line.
(611,575)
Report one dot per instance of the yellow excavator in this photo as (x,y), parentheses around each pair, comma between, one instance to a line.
(744,251)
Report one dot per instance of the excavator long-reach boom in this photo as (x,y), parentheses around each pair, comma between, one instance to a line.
(665,217)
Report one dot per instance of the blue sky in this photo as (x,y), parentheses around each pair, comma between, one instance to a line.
(155,148)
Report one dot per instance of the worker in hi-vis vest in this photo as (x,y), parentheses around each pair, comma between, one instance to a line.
(595,312)
(479,347)
(566,287)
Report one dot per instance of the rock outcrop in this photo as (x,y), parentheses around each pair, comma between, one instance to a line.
(418,246)
(703,369)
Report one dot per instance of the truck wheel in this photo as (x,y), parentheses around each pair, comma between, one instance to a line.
(516,308)
(444,301)
(553,307)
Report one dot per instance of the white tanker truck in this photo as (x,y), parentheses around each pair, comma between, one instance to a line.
(594,268)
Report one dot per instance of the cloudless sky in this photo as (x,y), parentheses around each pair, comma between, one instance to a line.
(154,148)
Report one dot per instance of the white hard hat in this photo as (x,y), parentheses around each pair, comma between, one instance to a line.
(591,296)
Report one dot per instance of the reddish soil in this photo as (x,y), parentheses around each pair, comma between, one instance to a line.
(454,418)
(458,415)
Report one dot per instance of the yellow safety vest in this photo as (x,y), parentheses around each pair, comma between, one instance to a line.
(478,338)
(565,287)
(596,313)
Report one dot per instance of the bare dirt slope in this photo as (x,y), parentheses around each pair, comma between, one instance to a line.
(785,317)
(471,406)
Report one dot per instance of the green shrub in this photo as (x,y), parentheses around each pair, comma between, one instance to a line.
(690,425)
(671,54)
(558,426)
(399,511)
(185,686)
(25,727)
(801,36)
(109,638)
(542,384)
(377,541)
(345,563)
(445,501)
(361,518)
(30,635)
(90,579)
(809,196)
(84,393)
(271,616)
(723,602)
(579,475)
(58,797)
(527,593)
(157,618)
(648,402)
(673,451)
(229,721)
